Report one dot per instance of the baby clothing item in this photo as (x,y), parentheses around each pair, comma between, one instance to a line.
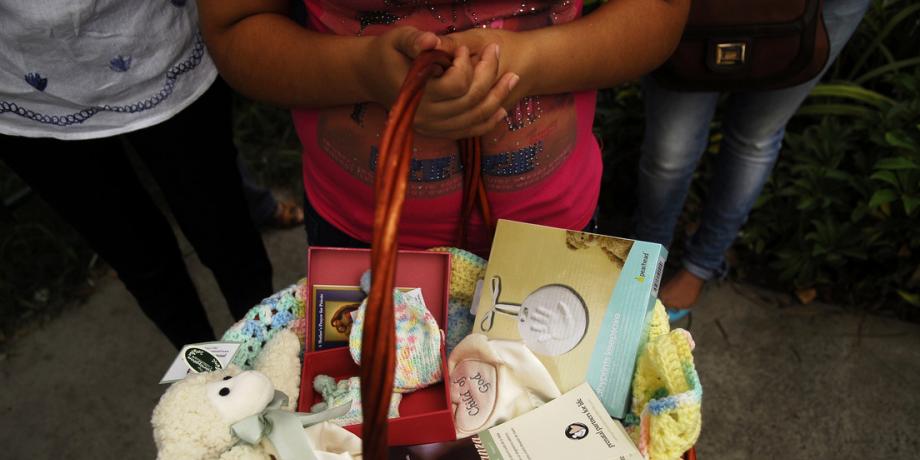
(328,441)
(284,309)
(466,269)
(418,342)
(335,394)
(332,442)
(495,381)
(667,395)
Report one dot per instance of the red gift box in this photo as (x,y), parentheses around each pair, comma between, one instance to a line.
(425,415)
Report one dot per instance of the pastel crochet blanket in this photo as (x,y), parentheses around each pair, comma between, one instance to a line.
(666,415)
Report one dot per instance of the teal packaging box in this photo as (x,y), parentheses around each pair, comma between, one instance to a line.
(580,301)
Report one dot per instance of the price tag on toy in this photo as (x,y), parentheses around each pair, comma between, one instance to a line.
(200,357)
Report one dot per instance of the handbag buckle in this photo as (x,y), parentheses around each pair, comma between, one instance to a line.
(730,54)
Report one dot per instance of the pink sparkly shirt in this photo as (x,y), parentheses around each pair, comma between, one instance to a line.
(540,165)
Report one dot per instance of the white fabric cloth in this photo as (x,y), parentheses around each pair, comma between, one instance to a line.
(329,441)
(494,381)
(82,69)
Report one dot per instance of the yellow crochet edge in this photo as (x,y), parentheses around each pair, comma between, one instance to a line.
(666,392)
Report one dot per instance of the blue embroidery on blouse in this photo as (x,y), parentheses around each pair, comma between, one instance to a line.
(428,170)
(120,63)
(512,163)
(172,75)
(35,79)
(502,164)
(433,170)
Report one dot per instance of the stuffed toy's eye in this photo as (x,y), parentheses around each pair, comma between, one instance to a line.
(228,377)
(224,391)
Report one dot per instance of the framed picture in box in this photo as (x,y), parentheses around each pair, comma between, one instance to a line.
(331,314)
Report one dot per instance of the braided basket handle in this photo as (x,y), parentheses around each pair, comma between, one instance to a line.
(378,347)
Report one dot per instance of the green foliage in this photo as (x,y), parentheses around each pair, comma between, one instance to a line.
(268,144)
(840,213)
(618,125)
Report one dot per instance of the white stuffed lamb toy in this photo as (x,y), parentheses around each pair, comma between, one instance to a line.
(193,419)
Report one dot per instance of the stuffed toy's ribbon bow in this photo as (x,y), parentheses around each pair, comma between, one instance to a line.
(285,429)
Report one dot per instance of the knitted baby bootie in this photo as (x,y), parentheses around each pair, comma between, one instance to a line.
(347,391)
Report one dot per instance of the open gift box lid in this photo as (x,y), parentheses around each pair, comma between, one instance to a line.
(425,415)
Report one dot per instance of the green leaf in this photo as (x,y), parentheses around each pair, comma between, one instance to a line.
(806,203)
(881,197)
(858,213)
(896,163)
(839,175)
(903,14)
(854,92)
(910,203)
(886,176)
(851,110)
(899,139)
(882,70)
(910,297)
(855,253)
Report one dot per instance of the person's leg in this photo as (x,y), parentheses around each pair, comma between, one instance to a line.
(676,134)
(265,209)
(204,191)
(754,126)
(93,186)
(260,200)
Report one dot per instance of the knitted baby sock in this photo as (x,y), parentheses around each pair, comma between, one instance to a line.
(335,394)
(466,269)
(418,342)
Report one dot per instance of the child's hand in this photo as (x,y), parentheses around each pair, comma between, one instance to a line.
(387,60)
(467,99)
(518,57)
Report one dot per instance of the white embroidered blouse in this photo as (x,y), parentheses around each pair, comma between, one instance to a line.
(83,69)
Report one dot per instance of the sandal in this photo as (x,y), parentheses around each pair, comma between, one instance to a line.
(675,314)
(287,214)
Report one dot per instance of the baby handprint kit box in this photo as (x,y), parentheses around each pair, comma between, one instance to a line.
(580,301)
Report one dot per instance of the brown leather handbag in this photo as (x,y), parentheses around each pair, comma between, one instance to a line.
(748,45)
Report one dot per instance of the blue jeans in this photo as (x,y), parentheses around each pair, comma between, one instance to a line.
(676,135)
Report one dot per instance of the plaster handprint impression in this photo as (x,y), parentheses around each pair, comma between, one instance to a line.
(552,320)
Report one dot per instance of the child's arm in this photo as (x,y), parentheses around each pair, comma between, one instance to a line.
(265,55)
(620,41)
